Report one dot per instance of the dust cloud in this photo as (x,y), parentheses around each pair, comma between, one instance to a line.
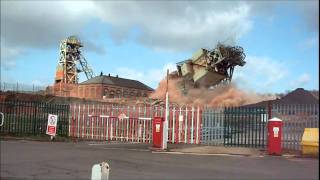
(224,95)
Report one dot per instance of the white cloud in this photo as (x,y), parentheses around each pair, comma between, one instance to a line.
(170,66)
(35,24)
(8,55)
(301,81)
(309,43)
(150,77)
(310,12)
(173,26)
(41,24)
(260,73)
(177,26)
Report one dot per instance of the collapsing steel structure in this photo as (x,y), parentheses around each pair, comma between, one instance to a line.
(208,68)
(71,62)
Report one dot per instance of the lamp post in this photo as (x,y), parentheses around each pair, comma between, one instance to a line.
(165,127)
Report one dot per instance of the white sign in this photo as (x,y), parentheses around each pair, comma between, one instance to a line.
(52,124)
(180,118)
(275,131)
(157,127)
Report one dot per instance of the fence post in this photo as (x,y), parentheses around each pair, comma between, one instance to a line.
(269,110)
(72,124)
(33,120)
(192,127)
(198,123)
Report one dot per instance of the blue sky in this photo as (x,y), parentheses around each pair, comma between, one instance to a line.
(140,40)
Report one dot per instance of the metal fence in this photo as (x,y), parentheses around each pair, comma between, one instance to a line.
(213,126)
(104,122)
(184,124)
(295,119)
(237,126)
(30,118)
(111,122)
(245,126)
(234,126)
(20,87)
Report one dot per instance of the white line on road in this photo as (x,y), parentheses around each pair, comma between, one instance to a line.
(100,144)
(199,154)
(128,149)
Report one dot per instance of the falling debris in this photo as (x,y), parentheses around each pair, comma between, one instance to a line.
(208,68)
(225,95)
(205,79)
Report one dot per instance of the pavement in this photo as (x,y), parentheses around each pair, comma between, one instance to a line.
(218,150)
(23,159)
(172,148)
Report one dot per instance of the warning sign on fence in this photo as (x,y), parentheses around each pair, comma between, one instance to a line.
(52,124)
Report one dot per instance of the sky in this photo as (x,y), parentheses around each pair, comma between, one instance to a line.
(141,39)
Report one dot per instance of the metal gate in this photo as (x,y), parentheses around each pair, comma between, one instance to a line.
(108,128)
(245,126)
(234,126)
(213,126)
(111,122)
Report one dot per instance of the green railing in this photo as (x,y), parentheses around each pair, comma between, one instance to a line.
(30,118)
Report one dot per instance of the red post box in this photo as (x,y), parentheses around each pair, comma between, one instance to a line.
(157,132)
(274,136)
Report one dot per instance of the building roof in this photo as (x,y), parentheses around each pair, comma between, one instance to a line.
(117,81)
(298,96)
(315,94)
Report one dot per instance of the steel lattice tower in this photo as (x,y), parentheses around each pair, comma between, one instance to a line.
(71,62)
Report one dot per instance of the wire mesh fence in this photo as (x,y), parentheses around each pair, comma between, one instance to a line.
(21,87)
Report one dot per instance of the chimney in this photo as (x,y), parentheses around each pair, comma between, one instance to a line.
(101,74)
(109,74)
(117,76)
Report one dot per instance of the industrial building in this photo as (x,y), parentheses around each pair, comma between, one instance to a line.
(72,62)
(103,87)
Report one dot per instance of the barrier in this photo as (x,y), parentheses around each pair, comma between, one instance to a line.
(310,142)
(100,171)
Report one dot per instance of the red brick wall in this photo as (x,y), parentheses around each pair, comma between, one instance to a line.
(63,89)
(97,91)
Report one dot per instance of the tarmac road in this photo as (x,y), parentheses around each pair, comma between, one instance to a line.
(62,160)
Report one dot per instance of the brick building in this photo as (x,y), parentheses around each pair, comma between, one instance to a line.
(103,87)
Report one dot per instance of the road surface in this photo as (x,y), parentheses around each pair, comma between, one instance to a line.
(66,160)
